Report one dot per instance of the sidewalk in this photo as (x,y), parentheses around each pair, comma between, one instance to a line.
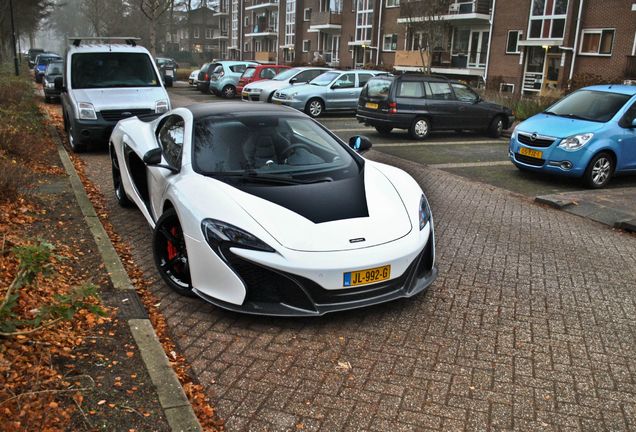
(613,207)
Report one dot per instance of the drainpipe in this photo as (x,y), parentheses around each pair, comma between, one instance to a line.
(492,23)
(277,32)
(240,29)
(377,50)
(576,42)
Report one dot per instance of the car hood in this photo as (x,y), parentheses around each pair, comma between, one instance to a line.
(270,85)
(119,98)
(383,219)
(303,89)
(559,127)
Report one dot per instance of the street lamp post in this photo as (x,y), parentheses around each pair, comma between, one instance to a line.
(15,52)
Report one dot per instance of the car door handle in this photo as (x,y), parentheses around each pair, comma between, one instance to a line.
(461,108)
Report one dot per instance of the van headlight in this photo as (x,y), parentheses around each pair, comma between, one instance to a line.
(575,142)
(425,212)
(161,106)
(87,111)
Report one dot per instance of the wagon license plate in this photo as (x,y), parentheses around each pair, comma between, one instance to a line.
(367,276)
(244,94)
(277,102)
(371,105)
(170,73)
(529,152)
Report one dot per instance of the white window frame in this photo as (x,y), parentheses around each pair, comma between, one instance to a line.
(384,39)
(519,34)
(598,31)
(195,33)
(511,85)
(246,21)
(547,16)
(392,3)
(308,42)
(364,15)
(290,22)
(305,17)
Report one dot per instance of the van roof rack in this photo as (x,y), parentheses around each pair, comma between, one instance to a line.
(426,75)
(130,40)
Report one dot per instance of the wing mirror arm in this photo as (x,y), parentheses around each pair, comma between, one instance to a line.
(153,158)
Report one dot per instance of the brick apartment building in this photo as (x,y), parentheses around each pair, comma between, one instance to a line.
(528,46)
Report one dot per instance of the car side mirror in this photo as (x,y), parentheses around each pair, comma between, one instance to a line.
(168,81)
(360,143)
(59,83)
(634,123)
(153,157)
(293,80)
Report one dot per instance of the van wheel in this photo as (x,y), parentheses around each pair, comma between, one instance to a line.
(229,91)
(73,141)
(496,127)
(383,130)
(599,171)
(420,128)
(314,107)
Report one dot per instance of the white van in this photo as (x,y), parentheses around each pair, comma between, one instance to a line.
(105,82)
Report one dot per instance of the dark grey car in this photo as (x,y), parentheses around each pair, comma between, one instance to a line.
(53,70)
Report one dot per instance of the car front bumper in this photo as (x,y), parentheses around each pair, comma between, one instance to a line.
(552,159)
(247,96)
(293,283)
(294,103)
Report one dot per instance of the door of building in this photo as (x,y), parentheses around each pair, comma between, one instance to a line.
(552,73)
(478,48)
(533,73)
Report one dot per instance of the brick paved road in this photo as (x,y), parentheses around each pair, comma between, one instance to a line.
(530,326)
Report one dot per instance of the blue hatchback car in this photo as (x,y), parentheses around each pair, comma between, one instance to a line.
(591,133)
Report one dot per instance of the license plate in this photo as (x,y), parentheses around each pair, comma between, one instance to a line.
(529,152)
(277,102)
(170,73)
(368,276)
(371,105)
(244,94)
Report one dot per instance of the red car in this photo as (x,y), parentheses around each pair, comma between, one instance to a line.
(257,73)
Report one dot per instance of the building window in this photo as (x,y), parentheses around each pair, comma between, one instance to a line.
(196,32)
(306,45)
(307,14)
(208,33)
(290,22)
(392,3)
(246,21)
(512,44)
(547,19)
(597,42)
(364,20)
(289,55)
(506,88)
(389,42)
(246,47)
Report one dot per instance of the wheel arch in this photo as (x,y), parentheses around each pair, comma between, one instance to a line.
(607,150)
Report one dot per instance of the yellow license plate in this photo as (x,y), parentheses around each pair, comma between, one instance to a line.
(244,93)
(529,152)
(277,102)
(368,276)
(371,105)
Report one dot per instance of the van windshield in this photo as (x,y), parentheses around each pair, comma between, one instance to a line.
(112,69)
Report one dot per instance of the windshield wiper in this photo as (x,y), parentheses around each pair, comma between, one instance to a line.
(550,113)
(255,177)
(577,117)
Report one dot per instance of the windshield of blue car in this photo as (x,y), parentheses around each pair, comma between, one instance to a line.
(288,147)
(112,69)
(287,74)
(46,60)
(325,79)
(54,69)
(597,106)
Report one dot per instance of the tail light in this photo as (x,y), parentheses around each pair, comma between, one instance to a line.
(205,77)
(392,107)
(221,74)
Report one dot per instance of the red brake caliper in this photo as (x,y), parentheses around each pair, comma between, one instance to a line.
(172,249)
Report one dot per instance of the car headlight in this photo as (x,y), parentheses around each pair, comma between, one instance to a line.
(255,90)
(575,142)
(514,133)
(161,106)
(425,212)
(217,232)
(87,111)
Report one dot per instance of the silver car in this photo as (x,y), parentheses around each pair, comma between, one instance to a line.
(332,91)
(263,91)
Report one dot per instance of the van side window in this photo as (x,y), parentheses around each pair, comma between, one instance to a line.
(411,89)
(170,136)
(439,91)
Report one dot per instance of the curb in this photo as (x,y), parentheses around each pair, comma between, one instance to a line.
(172,398)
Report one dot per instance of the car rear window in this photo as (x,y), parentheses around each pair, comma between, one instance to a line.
(590,105)
(378,88)
(238,68)
(411,89)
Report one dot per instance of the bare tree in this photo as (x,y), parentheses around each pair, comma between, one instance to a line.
(153,10)
(427,18)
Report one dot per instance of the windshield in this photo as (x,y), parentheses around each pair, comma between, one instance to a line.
(287,74)
(378,88)
(270,146)
(590,105)
(325,79)
(112,69)
(46,60)
(54,69)
(249,72)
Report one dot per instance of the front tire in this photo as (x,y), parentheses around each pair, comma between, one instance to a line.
(496,127)
(118,185)
(170,254)
(314,107)
(420,128)
(599,171)
(73,141)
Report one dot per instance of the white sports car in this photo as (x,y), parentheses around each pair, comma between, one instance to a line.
(260,209)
